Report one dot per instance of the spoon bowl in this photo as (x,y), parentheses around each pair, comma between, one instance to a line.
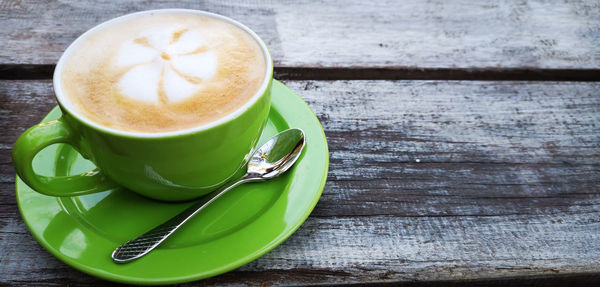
(277,155)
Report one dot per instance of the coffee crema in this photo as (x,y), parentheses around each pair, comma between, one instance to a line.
(163,72)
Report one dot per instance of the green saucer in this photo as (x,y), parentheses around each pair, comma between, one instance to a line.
(239,227)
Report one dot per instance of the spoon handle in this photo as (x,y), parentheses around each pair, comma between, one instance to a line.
(146,242)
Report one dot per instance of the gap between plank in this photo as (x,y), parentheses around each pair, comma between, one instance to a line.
(40,72)
(413,73)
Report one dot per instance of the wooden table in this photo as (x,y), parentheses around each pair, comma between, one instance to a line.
(464,136)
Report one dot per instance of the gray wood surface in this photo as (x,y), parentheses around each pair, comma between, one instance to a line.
(429,180)
(394,34)
(435,183)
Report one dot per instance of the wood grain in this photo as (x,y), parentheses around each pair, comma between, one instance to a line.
(429,148)
(394,34)
(429,181)
(377,248)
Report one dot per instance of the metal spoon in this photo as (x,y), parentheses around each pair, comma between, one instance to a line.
(273,158)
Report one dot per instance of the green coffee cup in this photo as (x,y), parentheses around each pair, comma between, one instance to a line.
(171,166)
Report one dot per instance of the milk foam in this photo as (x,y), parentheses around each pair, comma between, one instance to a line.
(166,61)
(166,72)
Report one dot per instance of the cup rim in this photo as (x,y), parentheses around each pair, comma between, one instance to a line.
(68,107)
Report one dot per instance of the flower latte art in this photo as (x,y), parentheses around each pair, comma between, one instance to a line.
(163,72)
(176,60)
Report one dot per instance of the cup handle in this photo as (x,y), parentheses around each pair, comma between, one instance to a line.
(40,136)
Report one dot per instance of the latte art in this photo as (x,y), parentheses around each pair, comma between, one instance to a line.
(174,61)
(164,72)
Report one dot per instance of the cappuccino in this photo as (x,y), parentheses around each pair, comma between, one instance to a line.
(163,72)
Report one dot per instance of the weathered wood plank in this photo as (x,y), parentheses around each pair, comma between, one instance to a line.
(429,180)
(376,249)
(459,121)
(464,148)
(317,33)
(431,148)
